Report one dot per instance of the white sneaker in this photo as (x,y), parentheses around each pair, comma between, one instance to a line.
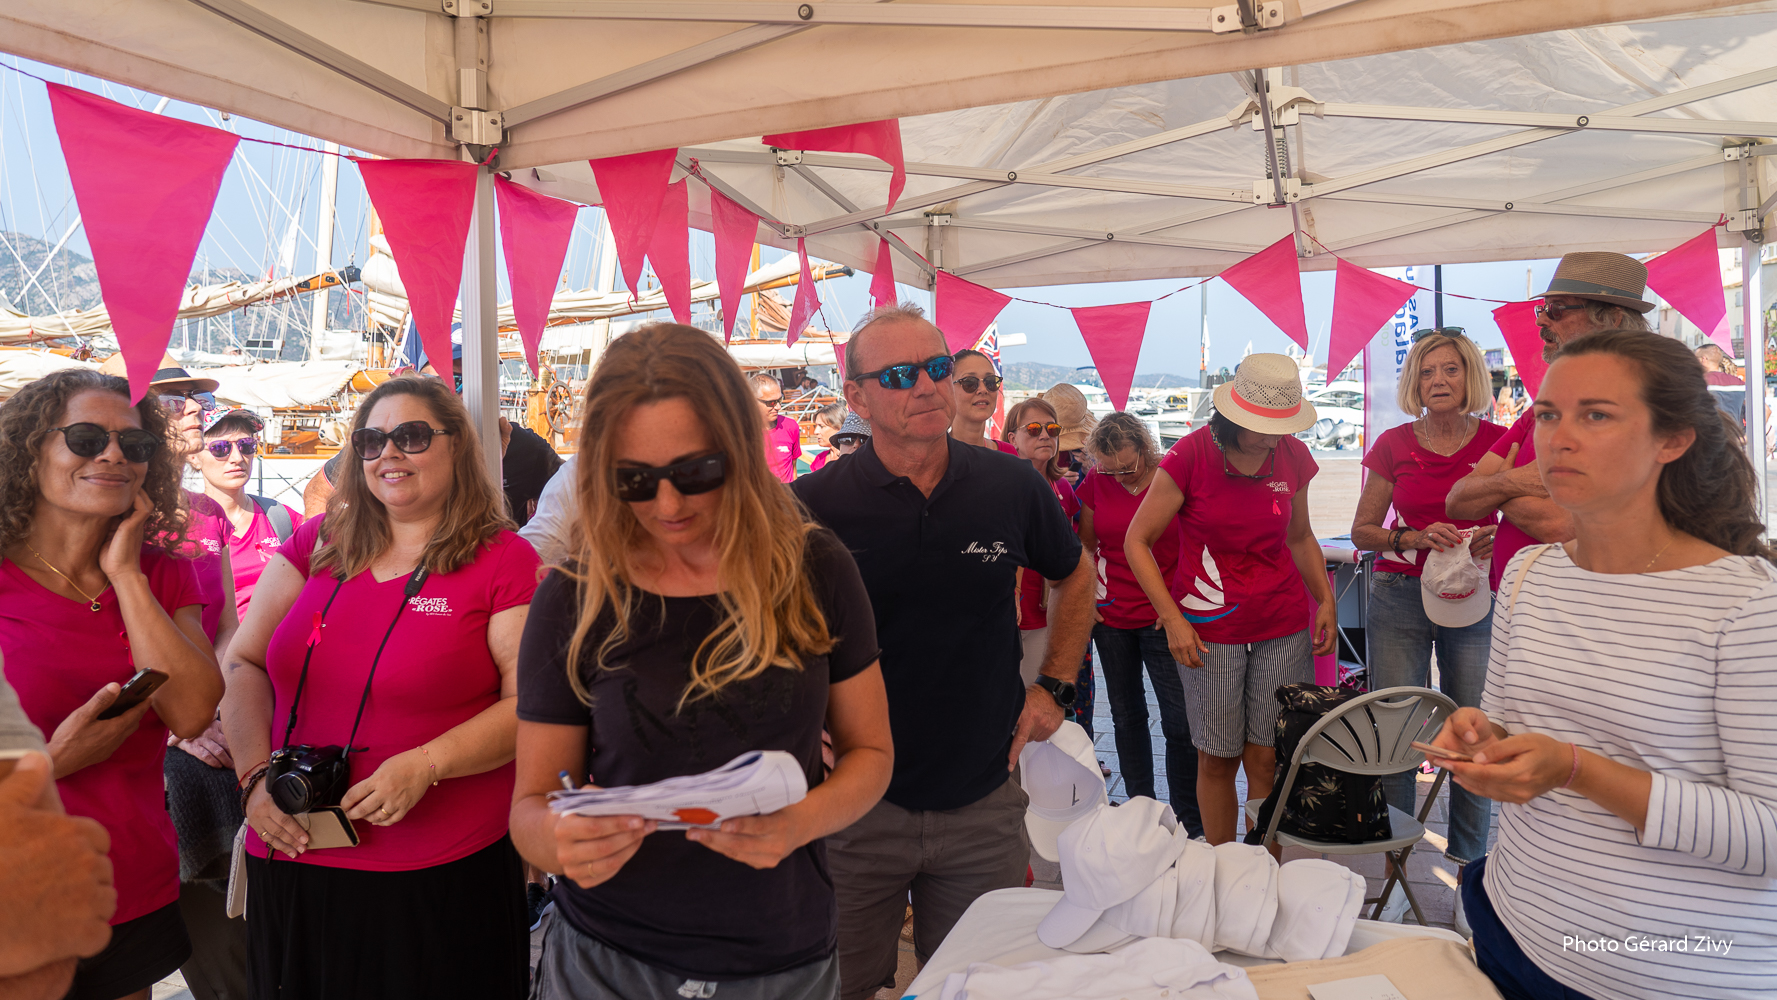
(1398,907)
(1461,920)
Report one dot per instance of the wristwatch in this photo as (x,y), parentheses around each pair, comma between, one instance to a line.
(1063,692)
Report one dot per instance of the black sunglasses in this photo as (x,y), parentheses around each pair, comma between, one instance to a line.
(220,449)
(698,475)
(1555,312)
(906,376)
(841,440)
(91,440)
(410,438)
(969,383)
(1442,331)
(174,402)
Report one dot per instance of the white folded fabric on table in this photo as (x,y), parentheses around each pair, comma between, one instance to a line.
(1151,969)
(753,784)
(1000,929)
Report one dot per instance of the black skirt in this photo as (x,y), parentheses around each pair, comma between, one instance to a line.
(454,930)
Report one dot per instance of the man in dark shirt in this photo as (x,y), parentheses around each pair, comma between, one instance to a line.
(938,530)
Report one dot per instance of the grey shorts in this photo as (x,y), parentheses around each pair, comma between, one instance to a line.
(576,967)
(1231,700)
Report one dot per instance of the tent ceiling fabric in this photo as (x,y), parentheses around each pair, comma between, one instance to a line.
(1402,158)
(592,78)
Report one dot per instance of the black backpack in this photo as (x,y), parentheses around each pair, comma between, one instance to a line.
(1326,804)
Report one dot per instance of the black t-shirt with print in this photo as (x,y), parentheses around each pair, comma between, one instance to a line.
(678,905)
(941,571)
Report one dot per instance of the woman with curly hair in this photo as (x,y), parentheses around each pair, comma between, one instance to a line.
(703,617)
(382,644)
(93,589)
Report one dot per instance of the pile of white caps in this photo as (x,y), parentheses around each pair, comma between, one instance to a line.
(1131,872)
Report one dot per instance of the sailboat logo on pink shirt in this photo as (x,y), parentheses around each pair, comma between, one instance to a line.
(1205,595)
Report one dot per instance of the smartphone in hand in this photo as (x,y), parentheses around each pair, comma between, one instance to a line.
(1440,752)
(135,692)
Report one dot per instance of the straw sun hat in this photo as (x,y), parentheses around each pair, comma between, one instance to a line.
(1607,277)
(1077,422)
(1265,396)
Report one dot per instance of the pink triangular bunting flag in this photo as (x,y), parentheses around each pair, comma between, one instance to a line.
(1517,322)
(1272,281)
(1113,335)
(145,185)
(632,188)
(736,230)
(670,250)
(839,366)
(425,207)
(534,232)
(965,309)
(882,283)
(807,299)
(879,139)
(1689,277)
(1362,302)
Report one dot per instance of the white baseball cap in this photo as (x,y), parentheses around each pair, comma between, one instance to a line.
(1317,906)
(1107,858)
(1194,916)
(1453,585)
(1062,778)
(1246,898)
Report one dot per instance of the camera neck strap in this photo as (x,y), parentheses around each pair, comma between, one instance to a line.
(415,581)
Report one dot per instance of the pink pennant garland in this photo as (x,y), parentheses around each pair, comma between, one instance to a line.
(879,139)
(1362,302)
(146,185)
(633,188)
(534,232)
(965,310)
(425,207)
(807,299)
(1272,281)
(736,230)
(670,250)
(882,283)
(1689,277)
(1113,335)
(839,365)
(1517,321)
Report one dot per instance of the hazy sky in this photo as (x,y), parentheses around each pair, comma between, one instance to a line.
(266,185)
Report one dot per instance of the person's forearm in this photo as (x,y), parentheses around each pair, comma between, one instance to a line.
(1540,519)
(1618,787)
(1475,496)
(1371,538)
(1070,623)
(482,743)
(860,776)
(533,832)
(246,716)
(187,701)
(1147,575)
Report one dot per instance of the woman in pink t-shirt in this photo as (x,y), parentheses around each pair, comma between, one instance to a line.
(1127,632)
(827,422)
(388,625)
(246,523)
(86,600)
(976,385)
(1443,383)
(1250,578)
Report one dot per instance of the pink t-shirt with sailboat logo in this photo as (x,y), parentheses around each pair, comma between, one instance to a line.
(1236,581)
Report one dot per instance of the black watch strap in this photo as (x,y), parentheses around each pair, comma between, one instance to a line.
(1063,692)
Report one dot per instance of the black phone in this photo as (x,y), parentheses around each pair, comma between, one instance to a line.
(135,692)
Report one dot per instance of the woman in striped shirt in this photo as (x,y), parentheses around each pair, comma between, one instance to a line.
(1625,723)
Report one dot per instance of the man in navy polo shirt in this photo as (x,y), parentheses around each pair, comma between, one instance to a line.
(939,530)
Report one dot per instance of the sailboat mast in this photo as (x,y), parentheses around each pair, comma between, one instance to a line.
(324,244)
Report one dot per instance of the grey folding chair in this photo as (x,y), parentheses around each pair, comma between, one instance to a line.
(1371,734)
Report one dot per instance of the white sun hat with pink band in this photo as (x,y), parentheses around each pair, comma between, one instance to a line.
(1265,396)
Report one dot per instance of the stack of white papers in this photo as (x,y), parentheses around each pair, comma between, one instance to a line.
(753,784)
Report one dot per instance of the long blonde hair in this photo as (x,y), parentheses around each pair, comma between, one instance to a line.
(357,527)
(771,616)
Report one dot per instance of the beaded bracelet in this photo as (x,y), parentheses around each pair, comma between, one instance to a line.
(253,781)
(431,765)
(1576,765)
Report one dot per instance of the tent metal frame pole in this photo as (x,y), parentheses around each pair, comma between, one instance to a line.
(481,327)
(309,47)
(839,12)
(1533,119)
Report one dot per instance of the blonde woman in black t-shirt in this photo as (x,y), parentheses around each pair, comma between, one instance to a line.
(702,618)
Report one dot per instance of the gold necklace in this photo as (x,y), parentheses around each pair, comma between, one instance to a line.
(94,605)
(1657,555)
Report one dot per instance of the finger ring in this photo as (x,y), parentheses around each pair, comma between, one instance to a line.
(383,809)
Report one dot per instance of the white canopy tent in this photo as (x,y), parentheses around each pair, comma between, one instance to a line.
(555,81)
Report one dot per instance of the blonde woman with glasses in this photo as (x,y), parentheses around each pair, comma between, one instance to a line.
(700,617)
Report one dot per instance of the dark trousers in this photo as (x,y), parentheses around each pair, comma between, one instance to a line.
(1124,652)
(1497,953)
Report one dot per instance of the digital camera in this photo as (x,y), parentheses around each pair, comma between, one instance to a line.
(305,777)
